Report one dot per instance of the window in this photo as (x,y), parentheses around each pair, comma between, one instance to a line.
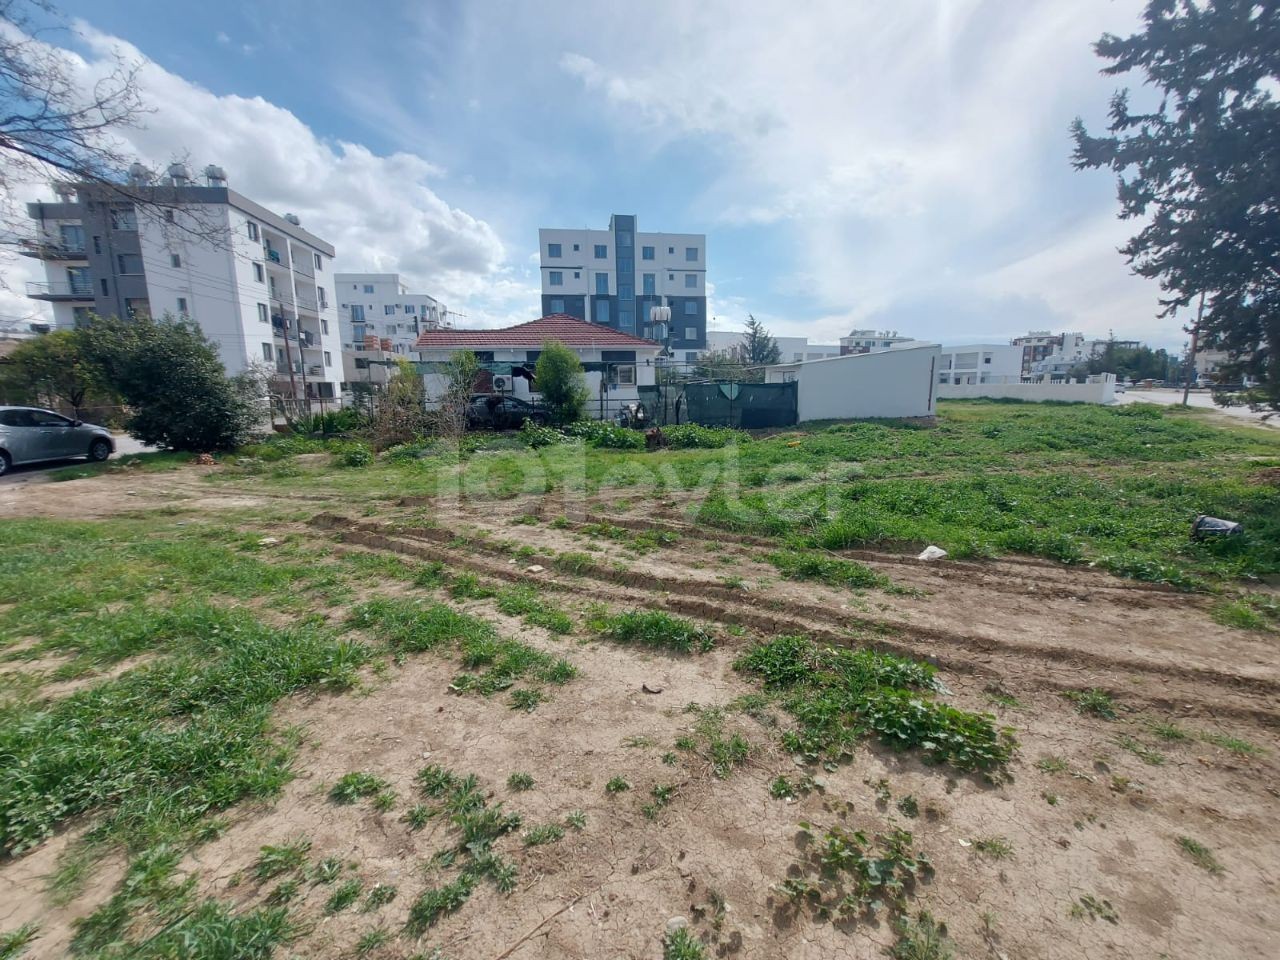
(577,275)
(624,238)
(650,287)
(575,248)
(602,251)
(267,353)
(691,308)
(137,307)
(104,287)
(691,333)
(175,260)
(691,254)
(253,230)
(602,311)
(623,375)
(626,291)
(328,360)
(671,276)
(555,278)
(626,317)
(258,273)
(691,280)
(262,313)
(602,284)
(553,250)
(357,313)
(410,308)
(388,309)
(97,245)
(322,297)
(72,237)
(557,306)
(182,304)
(319,261)
(123,218)
(646,253)
(368,288)
(324,326)
(671,250)
(129,263)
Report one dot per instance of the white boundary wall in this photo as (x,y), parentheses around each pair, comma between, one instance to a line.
(1102,391)
(886,383)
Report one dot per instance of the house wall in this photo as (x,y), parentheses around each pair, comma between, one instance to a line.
(1101,391)
(980,363)
(889,383)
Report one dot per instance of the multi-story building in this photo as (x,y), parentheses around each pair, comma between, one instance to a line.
(613,277)
(980,363)
(791,349)
(254,281)
(381,320)
(867,341)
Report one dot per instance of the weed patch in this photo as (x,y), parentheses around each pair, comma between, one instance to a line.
(657,631)
(1200,855)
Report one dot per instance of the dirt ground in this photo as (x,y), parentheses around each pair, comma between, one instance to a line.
(1087,820)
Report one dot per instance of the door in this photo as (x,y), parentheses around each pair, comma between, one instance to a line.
(17,435)
(58,438)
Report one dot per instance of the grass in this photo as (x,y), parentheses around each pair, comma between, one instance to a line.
(680,944)
(1200,855)
(524,602)
(1250,611)
(617,785)
(1093,702)
(438,902)
(372,940)
(546,833)
(656,630)
(1052,764)
(354,786)
(520,782)
(921,938)
(379,895)
(1140,750)
(837,696)
(997,848)
(825,568)
(13,943)
(1242,747)
(344,895)
(274,860)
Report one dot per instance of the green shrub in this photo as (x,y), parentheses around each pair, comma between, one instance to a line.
(657,630)
(599,433)
(355,455)
(689,436)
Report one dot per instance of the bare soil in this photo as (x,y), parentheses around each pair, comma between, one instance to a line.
(1106,825)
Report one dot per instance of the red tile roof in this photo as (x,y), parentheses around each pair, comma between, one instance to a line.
(559,326)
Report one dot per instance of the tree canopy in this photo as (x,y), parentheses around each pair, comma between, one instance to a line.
(1202,169)
(758,346)
(560,379)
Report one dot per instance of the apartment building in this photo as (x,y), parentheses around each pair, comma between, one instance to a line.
(867,341)
(381,320)
(613,277)
(980,363)
(254,281)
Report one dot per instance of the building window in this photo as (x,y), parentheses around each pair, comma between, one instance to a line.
(602,284)
(691,254)
(368,288)
(557,306)
(97,245)
(602,311)
(104,286)
(602,251)
(410,308)
(262,313)
(691,333)
(650,287)
(324,326)
(575,248)
(182,305)
(624,238)
(72,237)
(319,261)
(137,307)
(626,317)
(671,276)
(388,309)
(328,360)
(123,218)
(175,260)
(555,278)
(267,353)
(646,253)
(626,291)
(553,250)
(691,280)
(258,273)
(129,263)
(691,308)
(253,230)
(623,375)
(671,250)
(322,296)
(577,275)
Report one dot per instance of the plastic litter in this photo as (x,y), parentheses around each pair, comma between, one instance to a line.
(932,553)
(1205,527)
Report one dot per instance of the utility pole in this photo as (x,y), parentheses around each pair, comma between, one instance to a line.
(1191,357)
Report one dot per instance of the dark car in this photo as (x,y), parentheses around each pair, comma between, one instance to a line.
(30,435)
(492,412)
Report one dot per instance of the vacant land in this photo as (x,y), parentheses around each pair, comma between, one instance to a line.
(586,702)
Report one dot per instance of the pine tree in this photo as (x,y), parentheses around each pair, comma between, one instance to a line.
(1203,169)
(758,346)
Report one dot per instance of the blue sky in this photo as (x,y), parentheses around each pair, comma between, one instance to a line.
(851,163)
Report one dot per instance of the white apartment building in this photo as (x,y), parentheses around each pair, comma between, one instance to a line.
(613,277)
(255,282)
(380,305)
(866,341)
(792,349)
(980,363)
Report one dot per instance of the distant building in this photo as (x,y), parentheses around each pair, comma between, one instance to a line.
(792,349)
(894,382)
(252,280)
(866,341)
(980,363)
(612,277)
(381,320)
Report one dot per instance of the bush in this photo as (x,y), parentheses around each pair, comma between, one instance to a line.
(411,452)
(331,421)
(536,435)
(688,436)
(560,380)
(355,455)
(598,433)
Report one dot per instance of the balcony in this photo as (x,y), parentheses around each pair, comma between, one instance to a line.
(315,370)
(52,250)
(61,290)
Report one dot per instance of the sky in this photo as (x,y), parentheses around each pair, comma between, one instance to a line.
(900,166)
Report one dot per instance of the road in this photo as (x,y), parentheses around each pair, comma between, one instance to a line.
(37,472)
(1198,398)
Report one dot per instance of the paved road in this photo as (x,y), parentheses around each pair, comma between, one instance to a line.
(125,445)
(1198,398)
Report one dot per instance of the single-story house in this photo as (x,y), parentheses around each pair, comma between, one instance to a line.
(898,382)
(616,363)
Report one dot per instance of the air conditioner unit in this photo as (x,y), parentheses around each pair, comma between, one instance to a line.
(501,384)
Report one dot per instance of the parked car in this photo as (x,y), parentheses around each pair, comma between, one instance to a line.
(493,412)
(31,435)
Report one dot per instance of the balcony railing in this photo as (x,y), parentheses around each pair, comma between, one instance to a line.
(52,250)
(60,290)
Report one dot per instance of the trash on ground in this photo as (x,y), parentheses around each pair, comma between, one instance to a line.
(1202,528)
(932,553)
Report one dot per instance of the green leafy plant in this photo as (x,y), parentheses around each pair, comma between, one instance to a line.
(417,816)
(657,630)
(354,786)
(344,895)
(546,833)
(275,860)
(520,781)
(1200,855)
(1093,702)
(997,848)
(437,902)
(921,938)
(1094,908)
(372,940)
(681,944)
(14,942)
(379,895)
(617,785)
